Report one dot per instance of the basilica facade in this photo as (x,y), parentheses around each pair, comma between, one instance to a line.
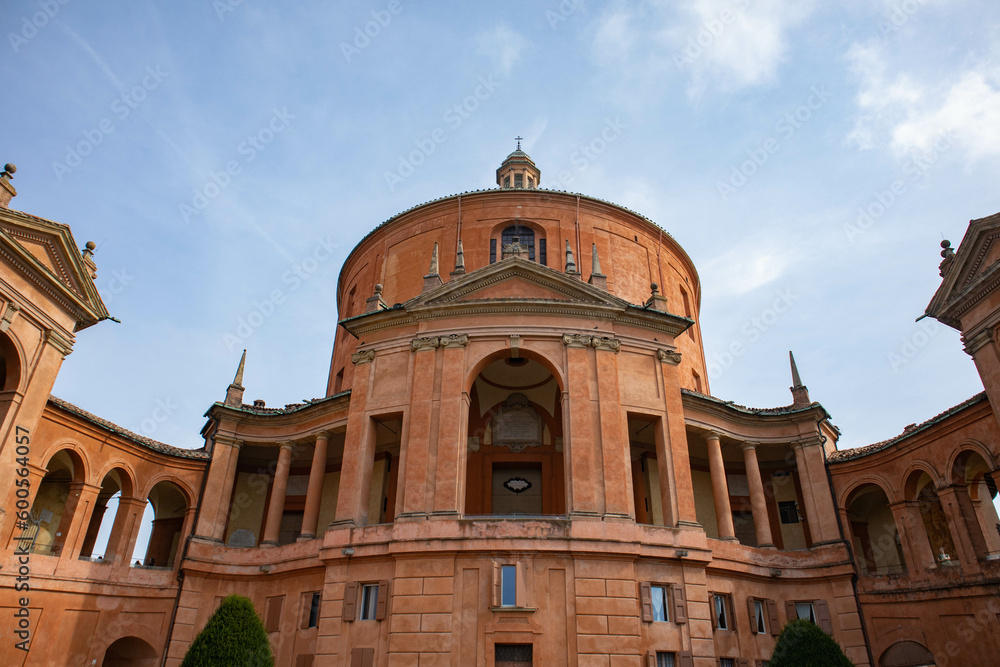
(518,461)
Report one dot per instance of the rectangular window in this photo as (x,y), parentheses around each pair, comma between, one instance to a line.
(664,659)
(313,616)
(542,258)
(518,180)
(531,182)
(659,599)
(508,586)
(493,251)
(805,611)
(727,662)
(789,511)
(759,617)
(506,181)
(369,602)
(721,609)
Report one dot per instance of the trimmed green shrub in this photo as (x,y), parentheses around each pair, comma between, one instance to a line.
(804,644)
(234,636)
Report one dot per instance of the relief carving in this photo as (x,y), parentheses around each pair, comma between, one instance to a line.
(430,343)
(363,357)
(669,356)
(576,340)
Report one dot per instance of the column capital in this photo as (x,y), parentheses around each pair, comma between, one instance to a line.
(322,434)
(363,357)
(63,344)
(576,340)
(672,357)
(749,444)
(425,343)
(808,442)
(229,442)
(286,444)
(975,342)
(454,340)
(713,435)
(606,343)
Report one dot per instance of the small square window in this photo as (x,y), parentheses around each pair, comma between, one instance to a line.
(664,659)
(727,662)
(369,602)
(508,585)
(789,511)
(659,597)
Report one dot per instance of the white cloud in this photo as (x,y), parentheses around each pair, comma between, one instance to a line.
(742,269)
(503,46)
(733,44)
(907,116)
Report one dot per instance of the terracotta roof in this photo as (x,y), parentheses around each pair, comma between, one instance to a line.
(782,410)
(289,407)
(129,435)
(858,452)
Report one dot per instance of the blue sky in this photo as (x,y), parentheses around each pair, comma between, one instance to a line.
(226,156)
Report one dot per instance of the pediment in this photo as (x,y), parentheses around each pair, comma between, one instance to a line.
(970,273)
(516,279)
(46,254)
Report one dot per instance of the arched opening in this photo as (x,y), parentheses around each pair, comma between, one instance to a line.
(169,505)
(530,239)
(920,487)
(873,530)
(515,460)
(55,502)
(130,652)
(976,494)
(907,654)
(116,484)
(10,364)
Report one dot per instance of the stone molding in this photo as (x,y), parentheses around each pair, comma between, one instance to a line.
(977,341)
(363,357)
(428,343)
(669,356)
(58,341)
(596,342)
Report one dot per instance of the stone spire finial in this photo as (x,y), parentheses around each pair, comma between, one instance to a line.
(800,394)
(947,256)
(459,261)
(570,262)
(597,279)
(87,254)
(656,301)
(433,279)
(234,395)
(7,191)
(375,301)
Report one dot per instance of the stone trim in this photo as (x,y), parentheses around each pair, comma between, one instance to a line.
(58,341)
(454,340)
(672,357)
(977,341)
(575,340)
(606,343)
(363,357)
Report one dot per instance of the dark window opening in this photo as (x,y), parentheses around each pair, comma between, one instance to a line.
(314,611)
(789,511)
(525,236)
(512,655)
(506,182)
(518,180)
(542,259)
(493,251)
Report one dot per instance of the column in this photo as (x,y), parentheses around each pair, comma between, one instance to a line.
(613,431)
(123,542)
(278,488)
(453,423)
(413,478)
(221,477)
(314,493)
(720,489)
(359,448)
(580,430)
(676,484)
(948,496)
(823,522)
(913,537)
(73,525)
(758,502)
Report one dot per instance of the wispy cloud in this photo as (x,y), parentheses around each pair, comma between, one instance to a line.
(905,115)
(503,46)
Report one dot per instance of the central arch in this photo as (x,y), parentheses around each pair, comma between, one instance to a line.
(130,652)
(515,460)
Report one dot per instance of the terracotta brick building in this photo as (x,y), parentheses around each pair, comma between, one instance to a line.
(517,461)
